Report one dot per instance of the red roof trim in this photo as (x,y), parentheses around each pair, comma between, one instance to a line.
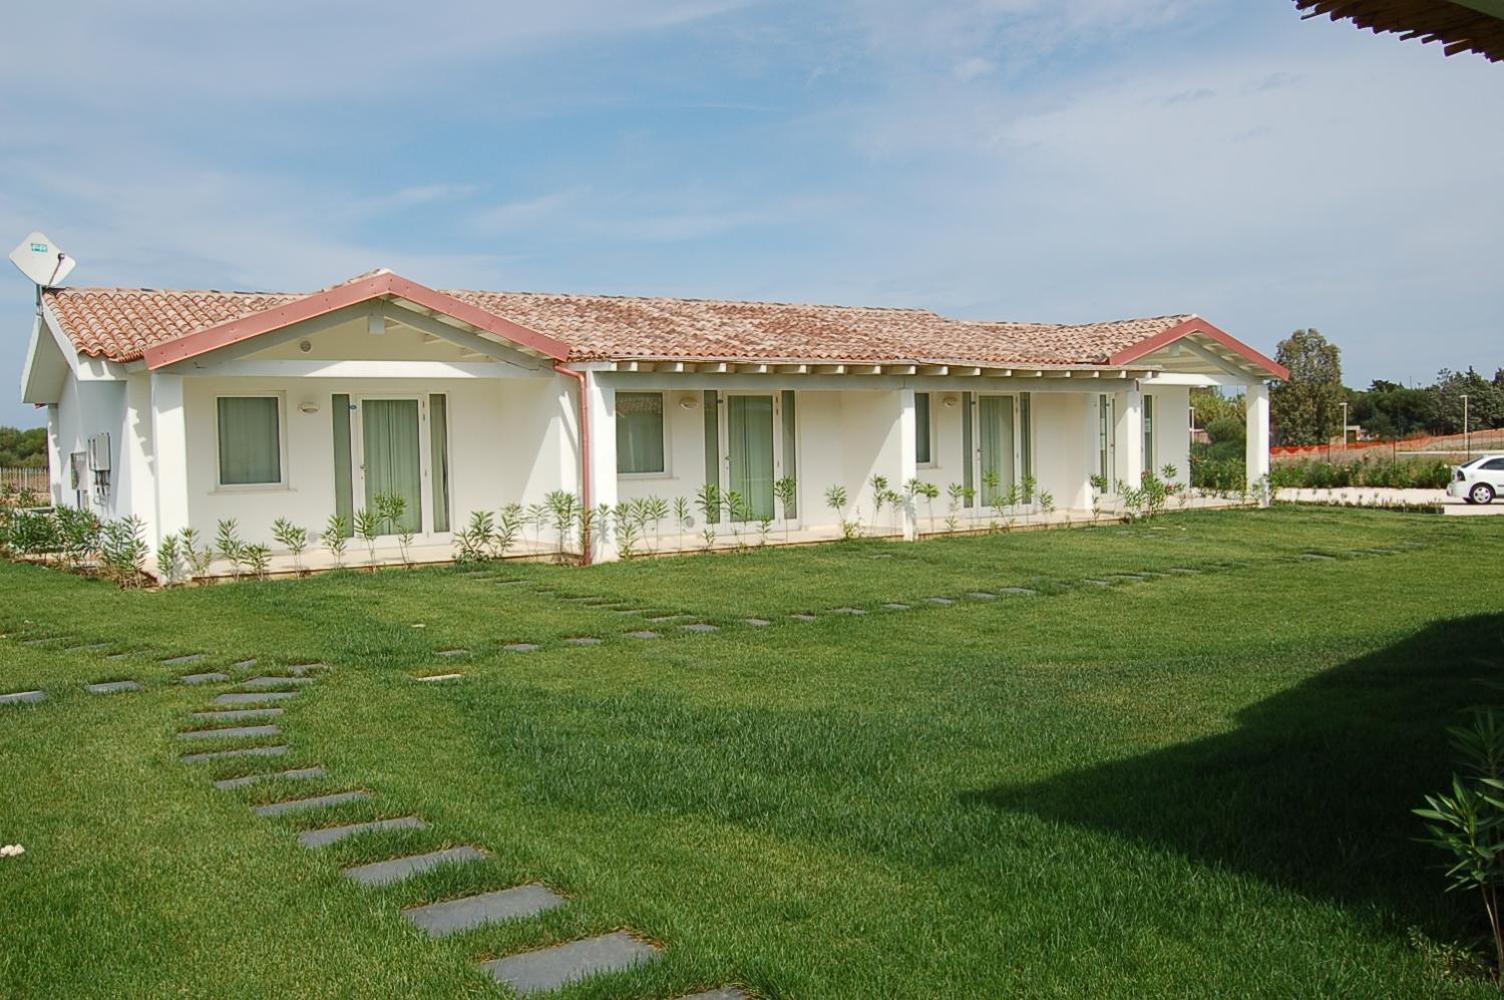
(1196,324)
(342,296)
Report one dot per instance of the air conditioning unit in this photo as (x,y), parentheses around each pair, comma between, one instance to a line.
(99,453)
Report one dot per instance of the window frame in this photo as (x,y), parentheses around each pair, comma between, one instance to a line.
(667,472)
(929,431)
(220,486)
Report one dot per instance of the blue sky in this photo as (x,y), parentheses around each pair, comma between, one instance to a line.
(1055,160)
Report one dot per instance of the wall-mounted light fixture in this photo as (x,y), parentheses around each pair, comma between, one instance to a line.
(686,402)
(304,346)
(950,401)
(308,406)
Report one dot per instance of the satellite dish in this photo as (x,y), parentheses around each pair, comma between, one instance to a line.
(41,261)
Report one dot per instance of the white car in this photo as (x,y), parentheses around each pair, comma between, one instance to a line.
(1478,481)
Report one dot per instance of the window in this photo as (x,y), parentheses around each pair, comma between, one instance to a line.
(1494,465)
(1149,434)
(250,441)
(639,433)
(922,429)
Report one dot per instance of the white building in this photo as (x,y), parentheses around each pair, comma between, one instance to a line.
(183,408)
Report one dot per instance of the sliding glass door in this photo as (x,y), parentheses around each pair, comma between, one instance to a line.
(400,447)
(998,434)
(754,446)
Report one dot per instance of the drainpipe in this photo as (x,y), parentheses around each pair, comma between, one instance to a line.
(585,527)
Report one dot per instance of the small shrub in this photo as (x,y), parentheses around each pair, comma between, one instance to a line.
(197,559)
(122,550)
(227,540)
(335,538)
(292,538)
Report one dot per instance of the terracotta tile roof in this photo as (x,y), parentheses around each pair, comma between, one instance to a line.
(118,324)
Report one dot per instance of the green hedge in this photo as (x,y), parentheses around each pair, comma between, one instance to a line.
(1416,473)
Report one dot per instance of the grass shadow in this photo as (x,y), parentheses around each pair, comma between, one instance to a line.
(1313,790)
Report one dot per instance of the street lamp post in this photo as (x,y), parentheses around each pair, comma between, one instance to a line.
(1344,425)
(1467,431)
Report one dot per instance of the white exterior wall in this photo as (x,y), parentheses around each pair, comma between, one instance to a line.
(1172,429)
(1062,465)
(683,452)
(507,442)
(87,407)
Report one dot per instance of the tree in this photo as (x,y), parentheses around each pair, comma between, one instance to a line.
(1485,401)
(1307,408)
(23,449)
(1389,410)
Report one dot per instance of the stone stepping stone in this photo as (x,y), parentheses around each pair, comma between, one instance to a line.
(439,677)
(1318,557)
(251,697)
(316,802)
(521,647)
(583,640)
(550,968)
(93,647)
(1184,571)
(272,682)
(113,687)
(895,606)
(178,661)
(457,915)
(20,697)
(804,618)
(214,734)
(724,993)
(1098,583)
(333,834)
(1026,591)
(209,678)
(643,634)
(381,873)
(119,656)
(300,669)
(275,751)
(981,595)
(245,664)
(943,601)
(631,611)
(700,627)
(250,779)
(454,652)
(756,622)
(847,611)
(661,619)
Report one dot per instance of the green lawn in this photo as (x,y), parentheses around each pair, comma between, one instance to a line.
(1191,784)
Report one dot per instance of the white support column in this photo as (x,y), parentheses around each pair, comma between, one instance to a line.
(1130,443)
(601,406)
(908,461)
(1256,413)
(55,468)
(169,468)
(134,485)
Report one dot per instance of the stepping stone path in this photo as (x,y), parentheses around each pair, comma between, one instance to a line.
(943,601)
(661,619)
(1318,557)
(93,647)
(457,915)
(178,661)
(275,751)
(700,627)
(381,873)
(273,682)
(229,731)
(317,802)
(21,697)
(113,687)
(250,779)
(119,656)
(550,968)
(209,678)
(1026,591)
(334,834)
(981,595)
(521,647)
(847,611)
(756,622)
(251,697)
(642,634)
(454,652)
(583,640)
(895,607)
(439,677)
(245,664)
(804,618)
(239,713)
